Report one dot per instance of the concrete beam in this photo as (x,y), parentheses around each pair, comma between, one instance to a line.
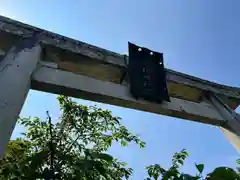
(104,57)
(16,69)
(232,137)
(50,79)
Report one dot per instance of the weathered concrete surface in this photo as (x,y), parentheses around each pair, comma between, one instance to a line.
(73,55)
(57,81)
(15,76)
(232,137)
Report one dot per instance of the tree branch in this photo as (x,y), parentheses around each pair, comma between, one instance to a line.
(51,143)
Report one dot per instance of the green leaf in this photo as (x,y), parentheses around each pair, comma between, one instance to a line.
(84,164)
(124,143)
(100,168)
(199,167)
(222,173)
(142,144)
(188,177)
(127,172)
(181,162)
(103,156)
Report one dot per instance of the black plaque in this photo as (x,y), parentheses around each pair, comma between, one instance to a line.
(147,74)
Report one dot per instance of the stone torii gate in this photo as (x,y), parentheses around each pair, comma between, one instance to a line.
(32,58)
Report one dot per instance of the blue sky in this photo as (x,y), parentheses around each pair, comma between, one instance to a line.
(199,37)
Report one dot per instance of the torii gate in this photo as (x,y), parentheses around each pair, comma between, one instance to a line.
(32,58)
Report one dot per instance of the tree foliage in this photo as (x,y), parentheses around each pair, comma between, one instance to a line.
(156,172)
(73,148)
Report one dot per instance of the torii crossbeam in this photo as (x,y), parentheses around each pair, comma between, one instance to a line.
(32,58)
